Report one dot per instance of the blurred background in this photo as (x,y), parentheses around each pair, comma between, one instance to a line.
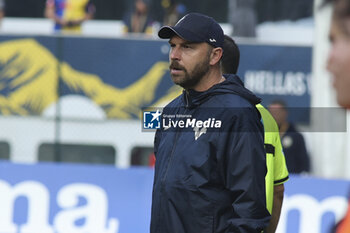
(76,75)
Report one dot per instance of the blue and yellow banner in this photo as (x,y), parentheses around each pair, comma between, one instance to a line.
(121,76)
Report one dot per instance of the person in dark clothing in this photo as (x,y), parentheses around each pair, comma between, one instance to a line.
(293,142)
(138,19)
(210,160)
(242,17)
(277,173)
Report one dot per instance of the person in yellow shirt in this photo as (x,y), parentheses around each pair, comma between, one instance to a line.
(69,15)
(277,172)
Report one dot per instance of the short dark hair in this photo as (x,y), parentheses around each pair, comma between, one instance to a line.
(231,56)
(279,102)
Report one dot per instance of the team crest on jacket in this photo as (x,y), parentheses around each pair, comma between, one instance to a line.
(198,132)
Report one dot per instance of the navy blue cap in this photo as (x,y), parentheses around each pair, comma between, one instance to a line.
(195,27)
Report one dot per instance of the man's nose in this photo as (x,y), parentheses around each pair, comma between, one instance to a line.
(175,53)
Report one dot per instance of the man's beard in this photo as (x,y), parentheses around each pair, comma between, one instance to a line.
(190,80)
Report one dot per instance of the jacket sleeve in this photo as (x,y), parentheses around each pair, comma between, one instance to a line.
(244,172)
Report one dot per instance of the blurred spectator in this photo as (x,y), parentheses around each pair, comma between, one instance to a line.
(138,20)
(173,11)
(216,9)
(69,16)
(242,17)
(277,10)
(339,66)
(293,142)
(338,57)
(2,10)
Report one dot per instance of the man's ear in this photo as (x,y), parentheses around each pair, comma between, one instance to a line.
(215,55)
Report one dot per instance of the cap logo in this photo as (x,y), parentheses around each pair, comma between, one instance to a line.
(212,40)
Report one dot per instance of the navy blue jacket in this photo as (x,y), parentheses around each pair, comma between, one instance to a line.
(211,180)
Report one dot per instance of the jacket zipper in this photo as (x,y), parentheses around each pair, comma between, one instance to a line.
(186,98)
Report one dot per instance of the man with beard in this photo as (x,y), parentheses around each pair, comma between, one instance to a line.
(210,160)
